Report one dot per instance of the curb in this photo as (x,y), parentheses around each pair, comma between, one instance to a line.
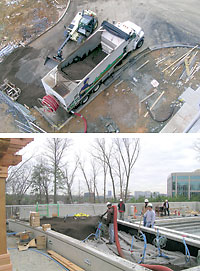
(64,13)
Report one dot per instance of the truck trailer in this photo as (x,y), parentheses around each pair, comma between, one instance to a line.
(70,83)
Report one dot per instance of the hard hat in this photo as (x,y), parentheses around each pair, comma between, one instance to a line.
(146,200)
(121,200)
(150,205)
(109,203)
(166,200)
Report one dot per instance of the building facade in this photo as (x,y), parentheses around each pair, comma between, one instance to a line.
(185,184)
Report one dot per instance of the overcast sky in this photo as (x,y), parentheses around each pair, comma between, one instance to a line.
(160,155)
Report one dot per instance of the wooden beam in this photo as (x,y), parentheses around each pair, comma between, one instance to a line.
(3,172)
(10,160)
(3,246)
(155,103)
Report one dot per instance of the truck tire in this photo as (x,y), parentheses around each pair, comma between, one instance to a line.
(140,43)
(85,99)
(96,88)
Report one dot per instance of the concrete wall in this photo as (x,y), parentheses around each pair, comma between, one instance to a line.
(94,209)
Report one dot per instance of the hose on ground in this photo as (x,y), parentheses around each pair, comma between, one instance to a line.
(156,267)
(160,120)
(158,240)
(187,252)
(44,254)
(145,247)
(97,234)
(85,121)
(116,233)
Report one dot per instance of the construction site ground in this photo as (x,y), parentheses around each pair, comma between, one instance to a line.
(115,109)
(81,227)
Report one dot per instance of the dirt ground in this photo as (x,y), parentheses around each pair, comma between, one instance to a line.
(76,227)
(23,20)
(119,106)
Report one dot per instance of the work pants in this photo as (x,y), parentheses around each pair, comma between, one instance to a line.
(111,233)
(121,215)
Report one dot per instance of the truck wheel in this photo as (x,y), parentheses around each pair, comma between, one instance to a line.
(85,99)
(96,88)
(140,43)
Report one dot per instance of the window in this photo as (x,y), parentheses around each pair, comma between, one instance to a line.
(182,188)
(195,185)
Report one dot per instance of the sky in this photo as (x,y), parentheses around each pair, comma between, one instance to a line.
(159,156)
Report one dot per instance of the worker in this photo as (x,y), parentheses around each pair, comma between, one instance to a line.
(109,222)
(166,207)
(144,209)
(150,216)
(121,209)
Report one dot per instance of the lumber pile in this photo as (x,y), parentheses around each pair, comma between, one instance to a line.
(66,263)
(188,64)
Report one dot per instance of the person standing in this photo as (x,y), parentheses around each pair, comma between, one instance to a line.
(150,216)
(144,210)
(121,209)
(166,207)
(110,222)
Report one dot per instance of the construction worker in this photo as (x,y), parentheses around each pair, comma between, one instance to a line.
(166,207)
(121,209)
(144,209)
(109,222)
(150,216)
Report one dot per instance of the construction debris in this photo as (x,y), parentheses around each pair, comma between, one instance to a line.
(156,101)
(142,65)
(10,90)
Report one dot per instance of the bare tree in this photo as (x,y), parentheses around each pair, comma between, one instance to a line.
(104,154)
(69,173)
(128,149)
(94,174)
(85,176)
(19,181)
(55,151)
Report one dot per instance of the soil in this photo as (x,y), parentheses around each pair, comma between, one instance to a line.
(24,20)
(76,227)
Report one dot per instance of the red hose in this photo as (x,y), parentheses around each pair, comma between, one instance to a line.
(51,103)
(152,267)
(116,233)
(157,267)
(85,121)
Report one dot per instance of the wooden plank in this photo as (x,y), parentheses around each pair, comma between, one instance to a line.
(142,65)
(3,245)
(156,101)
(6,267)
(186,54)
(71,266)
(148,96)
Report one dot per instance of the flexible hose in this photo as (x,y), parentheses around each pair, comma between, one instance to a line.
(160,120)
(85,121)
(145,247)
(160,253)
(97,234)
(152,267)
(156,267)
(187,252)
(44,254)
(116,233)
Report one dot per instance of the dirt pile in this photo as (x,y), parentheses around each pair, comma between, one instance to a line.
(76,227)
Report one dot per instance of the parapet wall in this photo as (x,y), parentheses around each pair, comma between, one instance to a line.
(93,209)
